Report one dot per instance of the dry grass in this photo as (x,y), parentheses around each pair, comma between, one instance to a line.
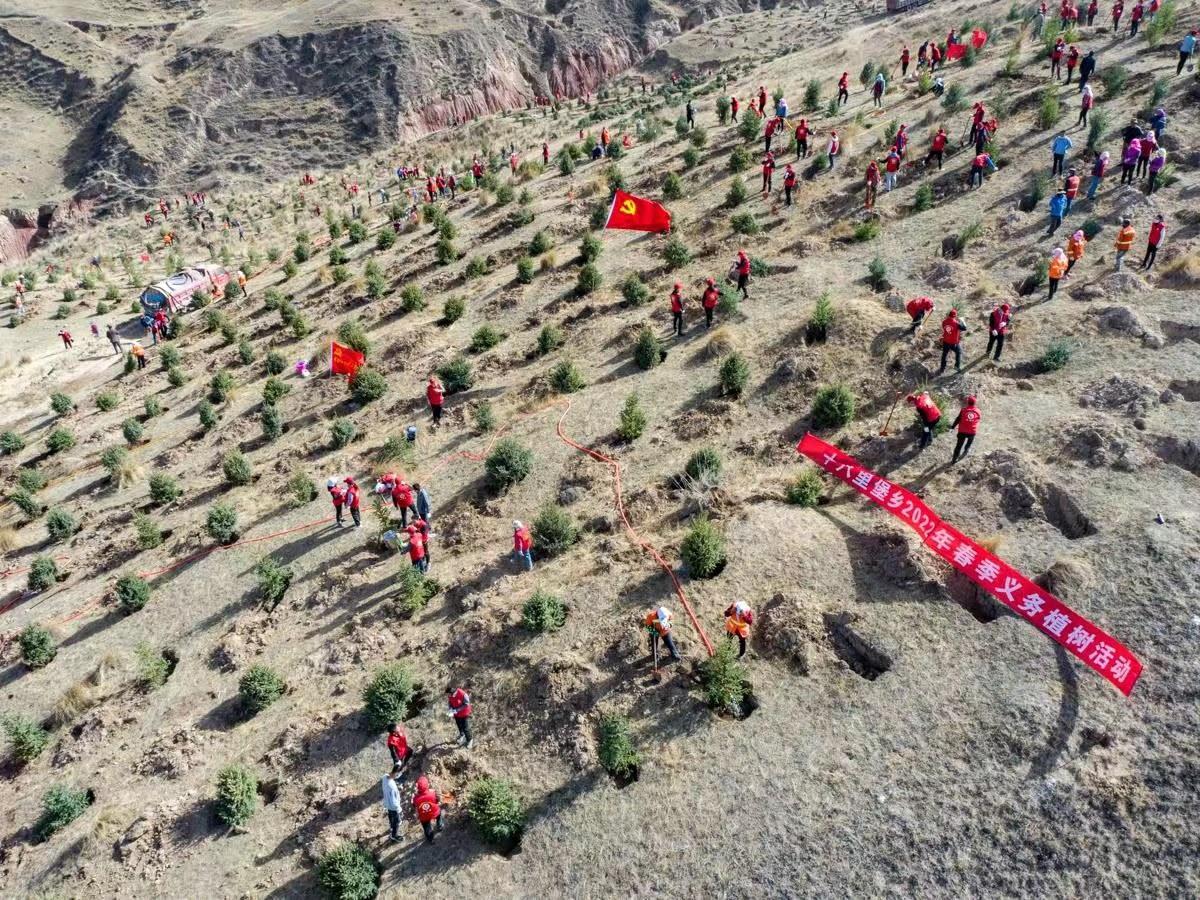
(722,342)
(324,276)
(75,701)
(8,539)
(129,472)
(1183,271)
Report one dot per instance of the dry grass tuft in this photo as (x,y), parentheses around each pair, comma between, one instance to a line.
(75,701)
(129,472)
(722,342)
(8,539)
(1183,271)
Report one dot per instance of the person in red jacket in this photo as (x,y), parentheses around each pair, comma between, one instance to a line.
(677,309)
(476,169)
(872,178)
(436,395)
(545,153)
(397,744)
(802,133)
(416,549)
(1158,231)
(522,544)
(402,499)
(937,148)
(762,98)
(904,58)
(742,266)
(967,423)
(352,500)
(917,309)
(428,806)
(459,701)
(337,494)
(733,108)
(998,323)
(768,172)
(789,184)
(952,332)
(67,340)
(843,92)
(928,413)
(978,114)
(709,301)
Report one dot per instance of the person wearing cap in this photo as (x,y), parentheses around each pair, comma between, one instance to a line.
(522,544)
(1058,209)
(998,323)
(353,499)
(1075,247)
(952,332)
(1056,270)
(428,807)
(789,184)
(337,494)
(458,701)
(1158,231)
(928,413)
(710,299)
(391,802)
(658,624)
(967,423)
(917,308)
(738,619)
(677,309)
(741,266)
(1124,241)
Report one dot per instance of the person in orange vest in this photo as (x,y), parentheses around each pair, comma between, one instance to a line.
(1075,246)
(459,702)
(241,283)
(522,544)
(843,89)
(139,352)
(952,331)
(742,267)
(709,301)
(1125,238)
(1056,269)
(738,619)
(1070,188)
(937,148)
(436,395)
(872,184)
(677,309)
(967,423)
(658,624)
(998,322)
(428,806)
(337,494)
(789,184)
(917,308)
(928,413)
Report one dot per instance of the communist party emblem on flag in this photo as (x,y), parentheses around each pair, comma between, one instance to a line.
(344,360)
(637,214)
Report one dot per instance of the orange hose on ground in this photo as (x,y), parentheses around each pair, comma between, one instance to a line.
(614,466)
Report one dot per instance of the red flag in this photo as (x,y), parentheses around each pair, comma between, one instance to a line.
(344,360)
(1033,603)
(956,51)
(637,214)
(979,37)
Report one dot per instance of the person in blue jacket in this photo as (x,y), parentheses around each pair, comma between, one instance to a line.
(1058,209)
(1060,148)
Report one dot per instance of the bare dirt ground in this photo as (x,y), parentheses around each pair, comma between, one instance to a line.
(947,750)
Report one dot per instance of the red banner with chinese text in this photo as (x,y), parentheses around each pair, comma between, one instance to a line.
(1030,601)
(344,360)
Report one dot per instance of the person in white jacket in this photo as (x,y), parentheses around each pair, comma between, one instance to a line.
(391,802)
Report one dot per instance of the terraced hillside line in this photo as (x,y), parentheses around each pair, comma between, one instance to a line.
(614,466)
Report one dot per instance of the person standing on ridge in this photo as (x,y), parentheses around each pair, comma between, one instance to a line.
(677,310)
(458,701)
(998,322)
(522,544)
(967,423)
(1124,241)
(952,332)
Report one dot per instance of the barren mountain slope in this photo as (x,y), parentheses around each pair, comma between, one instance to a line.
(912,737)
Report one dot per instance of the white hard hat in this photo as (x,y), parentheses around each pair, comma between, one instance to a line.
(516,525)
(380,487)
(742,606)
(331,482)
(663,613)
